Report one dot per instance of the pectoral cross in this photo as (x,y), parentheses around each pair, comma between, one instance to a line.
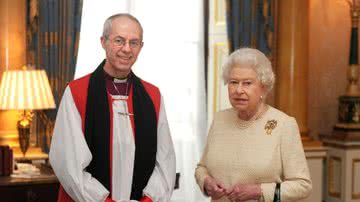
(125,114)
(124,111)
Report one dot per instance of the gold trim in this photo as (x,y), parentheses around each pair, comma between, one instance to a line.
(219,6)
(331,189)
(218,48)
(353,194)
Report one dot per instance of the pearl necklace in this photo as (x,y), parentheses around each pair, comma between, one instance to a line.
(243,124)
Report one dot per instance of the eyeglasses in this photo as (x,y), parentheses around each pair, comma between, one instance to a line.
(120,42)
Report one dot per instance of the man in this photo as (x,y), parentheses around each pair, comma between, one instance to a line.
(111,139)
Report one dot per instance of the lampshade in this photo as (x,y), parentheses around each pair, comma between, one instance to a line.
(25,90)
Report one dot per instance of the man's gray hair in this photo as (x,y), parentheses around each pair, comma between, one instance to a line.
(253,58)
(108,23)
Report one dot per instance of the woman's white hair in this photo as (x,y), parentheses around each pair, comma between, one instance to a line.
(253,58)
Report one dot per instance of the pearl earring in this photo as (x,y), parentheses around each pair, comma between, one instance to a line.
(261,97)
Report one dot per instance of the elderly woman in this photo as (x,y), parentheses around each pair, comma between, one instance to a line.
(254,151)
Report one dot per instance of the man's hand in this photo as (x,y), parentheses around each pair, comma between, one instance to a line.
(244,192)
(214,188)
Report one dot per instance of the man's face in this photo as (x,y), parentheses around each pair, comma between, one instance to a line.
(122,46)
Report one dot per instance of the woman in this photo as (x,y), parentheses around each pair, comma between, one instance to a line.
(252,146)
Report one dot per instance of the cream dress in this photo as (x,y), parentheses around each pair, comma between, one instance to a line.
(264,151)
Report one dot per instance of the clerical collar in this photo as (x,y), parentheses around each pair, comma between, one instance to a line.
(116,86)
(117,80)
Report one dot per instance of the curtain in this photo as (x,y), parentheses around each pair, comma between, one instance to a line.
(53,36)
(250,23)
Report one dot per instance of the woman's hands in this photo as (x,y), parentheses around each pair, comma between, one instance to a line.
(214,188)
(239,192)
(244,192)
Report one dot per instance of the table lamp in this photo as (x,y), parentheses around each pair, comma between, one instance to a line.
(25,90)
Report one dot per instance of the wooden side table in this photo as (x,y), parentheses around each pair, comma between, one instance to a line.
(42,188)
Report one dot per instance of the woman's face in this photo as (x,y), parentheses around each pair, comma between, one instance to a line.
(245,89)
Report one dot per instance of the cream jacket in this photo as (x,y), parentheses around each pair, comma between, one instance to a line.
(267,151)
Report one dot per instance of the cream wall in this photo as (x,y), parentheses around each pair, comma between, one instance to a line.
(329,38)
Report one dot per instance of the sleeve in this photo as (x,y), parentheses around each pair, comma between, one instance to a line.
(296,183)
(201,171)
(70,155)
(162,181)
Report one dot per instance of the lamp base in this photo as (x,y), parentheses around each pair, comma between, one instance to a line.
(349,110)
(24,137)
(32,154)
